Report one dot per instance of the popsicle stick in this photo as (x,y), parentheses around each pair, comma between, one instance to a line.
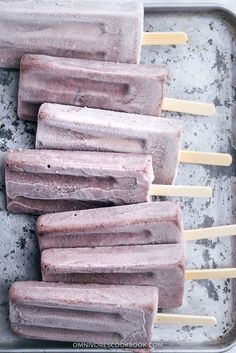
(189,107)
(183,320)
(179,190)
(219,159)
(164,38)
(222,231)
(218,273)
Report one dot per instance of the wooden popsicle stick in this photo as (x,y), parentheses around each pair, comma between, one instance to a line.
(189,107)
(215,273)
(180,191)
(209,158)
(222,231)
(164,38)
(183,320)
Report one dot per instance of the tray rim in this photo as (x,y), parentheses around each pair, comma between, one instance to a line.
(228,7)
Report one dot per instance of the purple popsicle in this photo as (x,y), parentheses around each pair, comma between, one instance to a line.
(44,181)
(144,223)
(160,266)
(121,315)
(94,29)
(73,128)
(96,84)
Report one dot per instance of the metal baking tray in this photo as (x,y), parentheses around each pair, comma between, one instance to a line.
(204,69)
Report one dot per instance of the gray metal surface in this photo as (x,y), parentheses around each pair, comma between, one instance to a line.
(204,70)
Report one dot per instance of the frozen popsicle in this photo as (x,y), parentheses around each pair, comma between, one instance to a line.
(121,87)
(143,223)
(95,29)
(93,314)
(159,266)
(44,181)
(65,127)
(115,315)
(73,128)
(71,180)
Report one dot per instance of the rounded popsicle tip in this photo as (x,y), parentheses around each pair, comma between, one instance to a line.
(206,192)
(227,160)
(212,321)
(178,37)
(204,321)
(184,37)
(200,191)
(211,110)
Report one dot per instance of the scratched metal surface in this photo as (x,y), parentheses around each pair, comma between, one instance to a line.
(202,70)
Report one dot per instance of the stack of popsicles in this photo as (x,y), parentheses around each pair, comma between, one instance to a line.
(99,143)
(105,272)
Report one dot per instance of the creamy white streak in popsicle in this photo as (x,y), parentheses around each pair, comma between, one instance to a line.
(144,223)
(96,84)
(73,128)
(160,266)
(44,181)
(84,313)
(95,29)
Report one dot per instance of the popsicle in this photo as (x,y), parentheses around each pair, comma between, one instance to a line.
(161,266)
(73,128)
(45,181)
(65,127)
(115,315)
(95,29)
(98,314)
(138,224)
(121,87)
(71,180)
(143,223)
